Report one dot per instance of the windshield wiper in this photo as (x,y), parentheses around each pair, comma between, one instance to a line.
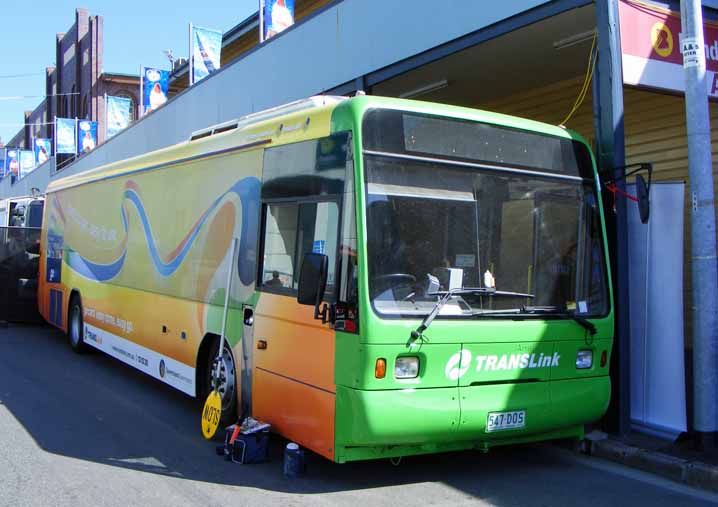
(555,310)
(480,291)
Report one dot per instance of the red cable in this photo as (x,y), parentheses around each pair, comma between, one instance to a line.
(611,187)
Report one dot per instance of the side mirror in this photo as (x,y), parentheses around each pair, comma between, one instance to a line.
(644,205)
(313,282)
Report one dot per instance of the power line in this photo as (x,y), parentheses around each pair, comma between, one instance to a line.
(9,76)
(22,97)
(26,124)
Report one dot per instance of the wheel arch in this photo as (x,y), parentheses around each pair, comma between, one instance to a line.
(205,346)
(66,318)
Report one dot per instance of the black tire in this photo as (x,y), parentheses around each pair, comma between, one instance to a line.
(75,328)
(228,390)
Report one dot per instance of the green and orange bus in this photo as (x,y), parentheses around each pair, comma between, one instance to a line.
(410,277)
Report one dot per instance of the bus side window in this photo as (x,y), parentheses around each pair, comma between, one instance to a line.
(280,238)
(290,231)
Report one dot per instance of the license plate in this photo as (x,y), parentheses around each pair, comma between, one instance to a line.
(497,421)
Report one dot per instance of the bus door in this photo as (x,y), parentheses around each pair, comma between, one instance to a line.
(293,378)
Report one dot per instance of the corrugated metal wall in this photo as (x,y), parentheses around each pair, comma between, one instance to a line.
(655,129)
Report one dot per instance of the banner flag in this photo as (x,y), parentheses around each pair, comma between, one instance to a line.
(154,84)
(86,136)
(12,163)
(205,48)
(65,136)
(277,16)
(43,149)
(3,156)
(27,162)
(119,113)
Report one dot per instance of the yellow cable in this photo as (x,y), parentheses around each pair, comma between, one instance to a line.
(586,82)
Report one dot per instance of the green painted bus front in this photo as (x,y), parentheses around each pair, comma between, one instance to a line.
(387,417)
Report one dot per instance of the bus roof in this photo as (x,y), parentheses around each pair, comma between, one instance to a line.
(304,119)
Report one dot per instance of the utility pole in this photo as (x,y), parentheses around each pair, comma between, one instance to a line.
(704,267)
(611,151)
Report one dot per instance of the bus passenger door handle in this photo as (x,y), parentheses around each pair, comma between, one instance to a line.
(261,344)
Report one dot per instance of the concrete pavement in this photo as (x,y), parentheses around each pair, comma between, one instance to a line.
(88,430)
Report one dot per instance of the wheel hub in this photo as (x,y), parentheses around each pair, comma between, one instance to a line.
(224,382)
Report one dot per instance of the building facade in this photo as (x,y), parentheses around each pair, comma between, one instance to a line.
(557,61)
(76,87)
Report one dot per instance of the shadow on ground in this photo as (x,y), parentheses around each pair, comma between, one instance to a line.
(94,408)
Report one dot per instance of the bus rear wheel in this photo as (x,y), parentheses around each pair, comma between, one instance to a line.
(75,328)
(226,383)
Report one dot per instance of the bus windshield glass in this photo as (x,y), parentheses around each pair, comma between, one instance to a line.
(435,223)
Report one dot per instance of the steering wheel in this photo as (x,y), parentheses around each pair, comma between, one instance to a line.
(382,282)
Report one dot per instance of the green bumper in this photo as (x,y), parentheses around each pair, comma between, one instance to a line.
(374,424)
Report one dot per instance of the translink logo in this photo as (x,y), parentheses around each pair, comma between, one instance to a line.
(459,363)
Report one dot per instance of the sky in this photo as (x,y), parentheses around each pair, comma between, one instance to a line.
(135,33)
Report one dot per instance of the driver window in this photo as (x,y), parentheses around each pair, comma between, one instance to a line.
(280,238)
(292,230)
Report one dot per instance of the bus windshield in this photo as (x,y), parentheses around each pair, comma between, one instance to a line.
(436,224)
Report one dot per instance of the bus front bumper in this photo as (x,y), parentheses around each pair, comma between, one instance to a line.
(413,421)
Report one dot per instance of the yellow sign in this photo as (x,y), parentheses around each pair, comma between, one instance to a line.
(211,414)
(662,39)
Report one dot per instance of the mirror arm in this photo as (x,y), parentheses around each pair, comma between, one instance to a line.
(641,166)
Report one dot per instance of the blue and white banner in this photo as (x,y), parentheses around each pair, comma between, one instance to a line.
(42,148)
(277,16)
(86,136)
(205,48)
(154,84)
(65,136)
(3,155)
(27,162)
(12,162)
(119,113)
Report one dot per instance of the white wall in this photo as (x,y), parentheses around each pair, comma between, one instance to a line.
(350,39)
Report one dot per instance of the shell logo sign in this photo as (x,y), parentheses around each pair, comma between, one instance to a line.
(662,39)
(651,48)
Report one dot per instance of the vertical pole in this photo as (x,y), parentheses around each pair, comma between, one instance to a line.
(228,289)
(190,60)
(142,92)
(608,122)
(360,84)
(105,138)
(704,271)
(261,21)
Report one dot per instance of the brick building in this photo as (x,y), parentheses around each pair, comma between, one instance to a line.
(76,87)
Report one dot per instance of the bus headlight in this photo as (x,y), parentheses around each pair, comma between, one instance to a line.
(584,359)
(406,367)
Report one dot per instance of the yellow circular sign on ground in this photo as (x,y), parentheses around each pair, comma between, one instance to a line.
(211,414)
(662,39)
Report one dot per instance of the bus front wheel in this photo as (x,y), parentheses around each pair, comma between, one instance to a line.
(226,383)
(75,329)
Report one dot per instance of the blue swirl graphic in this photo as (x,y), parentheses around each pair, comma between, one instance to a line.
(248,191)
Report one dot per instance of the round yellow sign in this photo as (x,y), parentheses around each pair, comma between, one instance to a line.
(211,414)
(662,39)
